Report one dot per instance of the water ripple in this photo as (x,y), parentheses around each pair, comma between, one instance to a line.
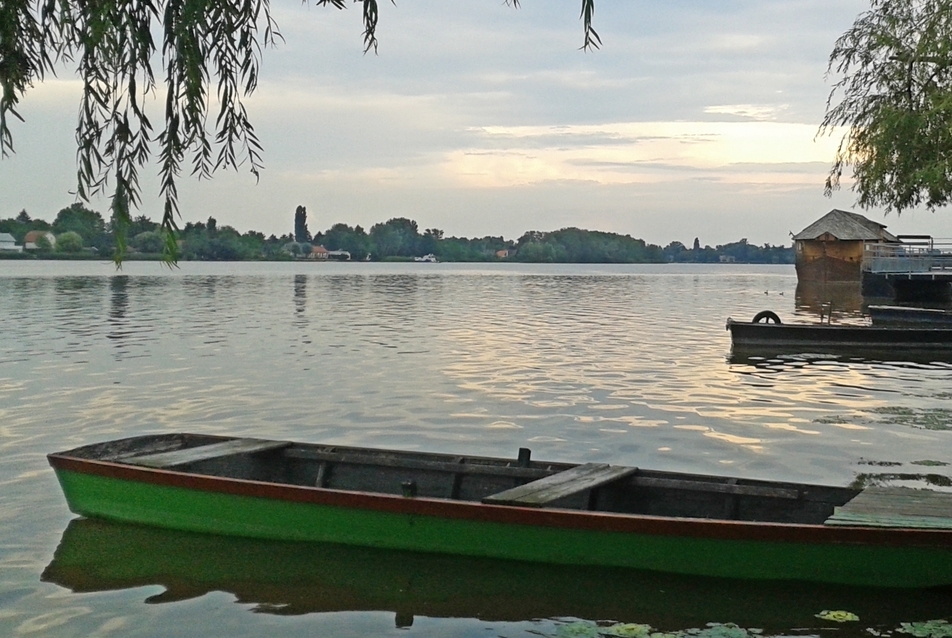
(620,364)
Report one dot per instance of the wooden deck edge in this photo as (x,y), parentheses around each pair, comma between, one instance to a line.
(905,522)
(896,507)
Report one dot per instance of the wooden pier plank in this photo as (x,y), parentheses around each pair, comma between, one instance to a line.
(205,452)
(560,485)
(896,507)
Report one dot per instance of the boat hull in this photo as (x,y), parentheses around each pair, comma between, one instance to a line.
(909,317)
(855,556)
(827,338)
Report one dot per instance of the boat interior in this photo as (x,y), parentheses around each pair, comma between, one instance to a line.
(508,482)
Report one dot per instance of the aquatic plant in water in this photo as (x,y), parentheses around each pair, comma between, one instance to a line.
(588,629)
(723,630)
(925,419)
(918,418)
(927,629)
(627,630)
(837,615)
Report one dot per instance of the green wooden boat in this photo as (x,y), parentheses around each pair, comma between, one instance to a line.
(520,509)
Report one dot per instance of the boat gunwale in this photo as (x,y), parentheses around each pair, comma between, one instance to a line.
(597,521)
(886,341)
(835,328)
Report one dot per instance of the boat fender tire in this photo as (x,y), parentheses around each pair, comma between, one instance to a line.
(766,316)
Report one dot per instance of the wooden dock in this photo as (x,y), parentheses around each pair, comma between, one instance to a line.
(896,507)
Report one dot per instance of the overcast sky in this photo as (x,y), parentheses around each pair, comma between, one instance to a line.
(695,119)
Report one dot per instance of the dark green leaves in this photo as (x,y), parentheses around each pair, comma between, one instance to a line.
(113,44)
(211,55)
(23,58)
(896,102)
(592,41)
(591,37)
(206,40)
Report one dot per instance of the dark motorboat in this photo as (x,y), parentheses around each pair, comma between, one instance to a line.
(767,334)
(590,514)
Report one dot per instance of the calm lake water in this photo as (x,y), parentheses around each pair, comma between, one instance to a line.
(620,364)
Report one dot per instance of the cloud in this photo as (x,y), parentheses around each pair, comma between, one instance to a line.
(761,112)
(639,152)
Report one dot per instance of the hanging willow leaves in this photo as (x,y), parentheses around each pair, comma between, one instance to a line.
(895,100)
(210,54)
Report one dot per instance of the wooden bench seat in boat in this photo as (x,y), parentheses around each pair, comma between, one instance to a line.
(561,485)
(205,452)
(728,487)
(896,507)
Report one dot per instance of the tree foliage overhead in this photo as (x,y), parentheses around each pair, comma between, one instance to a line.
(895,98)
(210,53)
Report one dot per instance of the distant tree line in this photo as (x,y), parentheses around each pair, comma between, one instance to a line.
(82,232)
(573,245)
(75,227)
(740,252)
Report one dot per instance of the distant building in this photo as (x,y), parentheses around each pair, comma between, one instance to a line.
(339,255)
(831,248)
(8,243)
(318,252)
(29,242)
(502,254)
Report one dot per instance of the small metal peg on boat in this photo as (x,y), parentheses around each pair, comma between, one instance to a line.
(409,488)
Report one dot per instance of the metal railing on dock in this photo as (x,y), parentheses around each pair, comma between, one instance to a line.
(917,254)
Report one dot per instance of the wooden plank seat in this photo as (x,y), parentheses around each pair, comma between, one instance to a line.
(560,485)
(718,488)
(205,452)
(896,507)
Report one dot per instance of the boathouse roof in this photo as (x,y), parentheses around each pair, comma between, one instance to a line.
(846,226)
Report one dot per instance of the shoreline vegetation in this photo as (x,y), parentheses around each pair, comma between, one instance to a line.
(80,233)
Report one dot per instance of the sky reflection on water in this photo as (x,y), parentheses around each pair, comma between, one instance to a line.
(622,364)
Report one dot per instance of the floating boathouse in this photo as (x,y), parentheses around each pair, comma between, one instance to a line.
(832,248)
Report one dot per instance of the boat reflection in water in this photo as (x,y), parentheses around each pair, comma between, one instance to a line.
(301,578)
(779,357)
(845,298)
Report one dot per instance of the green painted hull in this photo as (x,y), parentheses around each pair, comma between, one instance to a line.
(217,512)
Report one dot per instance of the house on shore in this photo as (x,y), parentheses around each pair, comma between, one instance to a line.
(832,247)
(29,241)
(9,243)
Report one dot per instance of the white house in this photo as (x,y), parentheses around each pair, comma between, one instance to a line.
(7,242)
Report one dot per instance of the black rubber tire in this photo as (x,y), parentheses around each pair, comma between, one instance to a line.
(766,316)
